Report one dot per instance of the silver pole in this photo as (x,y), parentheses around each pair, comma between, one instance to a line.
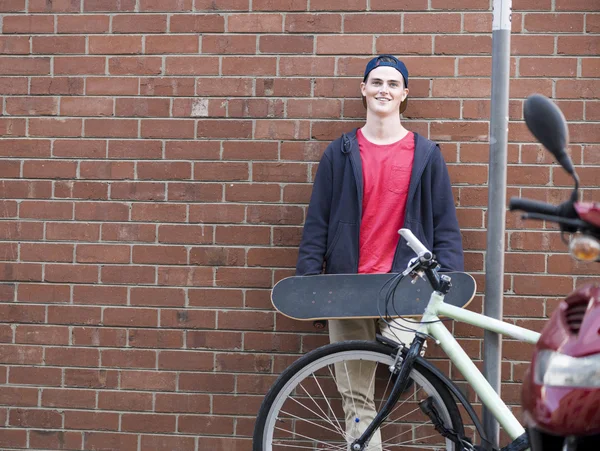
(494,261)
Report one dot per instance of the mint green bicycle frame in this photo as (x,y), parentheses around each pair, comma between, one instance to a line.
(432,326)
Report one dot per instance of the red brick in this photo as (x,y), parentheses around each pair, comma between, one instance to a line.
(224,444)
(197,23)
(111,128)
(101,211)
(179,128)
(575,89)
(340,45)
(192,65)
(163,297)
(274,214)
(229,403)
(216,213)
(30,418)
(20,355)
(57,85)
(462,88)
(46,210)
(148,423)
(39,376)
(554,23)
(149,380)
(578,45)
(24,66)
(167,442)
(235,277)
(32,106)
(215,298)
(141,23)
(185,234)
(291,87)
(73,315)
(27,24)
(188,319)
(14,85)
(278,5)
(313,23)
(223,44)
(12,127)
(102,253)
(166,5)
(189,276)
(53,45)
(128,232)
(423,23)
(137,317)
(72,232)
(55,127)
(79,148)
(184,361)
(245,65)
(460,45)
(217,256)
(592,23)
(134,65)
(171,44)
(128,274)
(255,23)
(86,106)
(110,440)
(576,5)
(250,150)
(286,44)
(112,86)
(224,129)
(25,148)
(55,397)
(22,313)
(138,191)
(254,192)
(122,400)
(182,403)
(279,172)
(13,438)
(55,439)
(128,358)
(49,169)
(52,294)
(91,378)
(110,5)
(167,87)
(99,421)
(84,24)
(548,67)
(159,213)
(99,336)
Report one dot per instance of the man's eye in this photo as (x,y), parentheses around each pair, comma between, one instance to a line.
(376,83)
(393,85)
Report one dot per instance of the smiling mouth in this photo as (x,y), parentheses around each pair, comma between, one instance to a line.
(382,99)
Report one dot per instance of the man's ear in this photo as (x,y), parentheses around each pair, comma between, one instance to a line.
(362,88)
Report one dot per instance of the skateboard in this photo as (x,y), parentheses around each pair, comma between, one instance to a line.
(345,296)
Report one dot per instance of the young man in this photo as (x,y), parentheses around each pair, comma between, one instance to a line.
(370,183)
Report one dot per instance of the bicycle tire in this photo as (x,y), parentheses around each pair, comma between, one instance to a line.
(325,356)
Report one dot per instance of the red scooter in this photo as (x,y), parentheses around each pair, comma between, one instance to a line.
(561,389)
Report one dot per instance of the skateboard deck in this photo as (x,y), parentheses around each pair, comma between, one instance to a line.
(344,296)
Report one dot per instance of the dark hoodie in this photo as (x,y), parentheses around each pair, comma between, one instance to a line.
(331,231)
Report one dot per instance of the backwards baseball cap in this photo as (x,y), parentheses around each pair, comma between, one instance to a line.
(390,61)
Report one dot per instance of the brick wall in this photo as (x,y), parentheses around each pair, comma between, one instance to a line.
(156,157)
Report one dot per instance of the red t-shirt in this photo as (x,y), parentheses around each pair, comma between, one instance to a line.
(386,179)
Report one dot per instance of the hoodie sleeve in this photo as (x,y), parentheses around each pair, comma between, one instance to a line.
(313,245)
(447,244)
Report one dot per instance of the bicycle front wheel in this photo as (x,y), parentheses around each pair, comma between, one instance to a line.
(317,403)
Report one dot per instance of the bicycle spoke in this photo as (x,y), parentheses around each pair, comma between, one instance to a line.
(310,422)
(339,427)
(306,437)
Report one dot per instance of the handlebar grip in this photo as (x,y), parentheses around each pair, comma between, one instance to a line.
(533,206)
(415,244)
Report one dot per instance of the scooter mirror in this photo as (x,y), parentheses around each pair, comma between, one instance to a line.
(547,123)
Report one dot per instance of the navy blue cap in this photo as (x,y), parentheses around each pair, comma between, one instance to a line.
(390,61)
(384,60)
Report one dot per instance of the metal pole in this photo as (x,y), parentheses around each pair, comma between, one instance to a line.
(494,261)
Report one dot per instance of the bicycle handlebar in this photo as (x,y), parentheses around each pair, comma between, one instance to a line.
(414,243)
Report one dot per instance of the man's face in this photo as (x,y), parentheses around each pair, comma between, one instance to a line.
(384,91)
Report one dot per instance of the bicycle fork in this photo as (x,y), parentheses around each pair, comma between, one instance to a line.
(399,386)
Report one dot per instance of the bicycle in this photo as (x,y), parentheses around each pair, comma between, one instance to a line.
(303,408)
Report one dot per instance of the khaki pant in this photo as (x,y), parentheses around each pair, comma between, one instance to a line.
(355,380)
